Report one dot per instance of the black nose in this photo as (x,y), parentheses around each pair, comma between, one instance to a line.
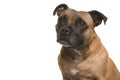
(65,31)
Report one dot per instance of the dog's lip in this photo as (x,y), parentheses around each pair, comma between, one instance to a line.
(64,43)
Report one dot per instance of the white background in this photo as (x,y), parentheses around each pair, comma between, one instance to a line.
(28,47)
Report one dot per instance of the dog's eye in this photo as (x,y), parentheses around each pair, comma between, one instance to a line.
(62,20)
(80,23)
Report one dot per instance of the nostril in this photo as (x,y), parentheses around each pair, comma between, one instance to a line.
(65,31)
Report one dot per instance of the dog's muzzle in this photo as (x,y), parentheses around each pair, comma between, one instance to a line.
(63,36)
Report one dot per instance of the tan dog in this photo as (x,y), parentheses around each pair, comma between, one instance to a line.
(83,56)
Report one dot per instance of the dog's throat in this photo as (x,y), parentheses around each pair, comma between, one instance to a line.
(72,55)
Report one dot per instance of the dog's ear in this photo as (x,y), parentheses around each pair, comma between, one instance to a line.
(97,17)
(60,8)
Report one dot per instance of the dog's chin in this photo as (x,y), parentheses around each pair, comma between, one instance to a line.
(65,43)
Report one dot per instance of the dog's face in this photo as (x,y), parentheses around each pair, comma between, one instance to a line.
(71,29)
(76,28)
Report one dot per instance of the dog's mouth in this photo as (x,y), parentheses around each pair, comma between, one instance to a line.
(64,43)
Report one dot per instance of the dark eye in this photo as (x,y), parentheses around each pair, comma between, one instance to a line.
(79,22)
(82,22)
(62,20)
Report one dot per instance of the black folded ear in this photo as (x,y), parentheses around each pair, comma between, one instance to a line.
(60,8)
(97,17)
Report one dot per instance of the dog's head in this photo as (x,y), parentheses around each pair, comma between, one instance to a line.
(76,28)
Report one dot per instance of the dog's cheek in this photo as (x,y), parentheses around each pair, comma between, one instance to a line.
(88,38)
(75,36)
(74,40)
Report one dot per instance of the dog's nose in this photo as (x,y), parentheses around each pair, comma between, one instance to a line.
(65,31)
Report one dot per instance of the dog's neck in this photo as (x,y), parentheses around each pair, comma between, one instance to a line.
(84,52)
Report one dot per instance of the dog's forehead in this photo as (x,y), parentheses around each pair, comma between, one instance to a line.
(70,13)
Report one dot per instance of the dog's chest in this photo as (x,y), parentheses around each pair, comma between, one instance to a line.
(72,72)
(75,70)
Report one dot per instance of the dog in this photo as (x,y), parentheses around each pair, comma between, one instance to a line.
(83,56)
